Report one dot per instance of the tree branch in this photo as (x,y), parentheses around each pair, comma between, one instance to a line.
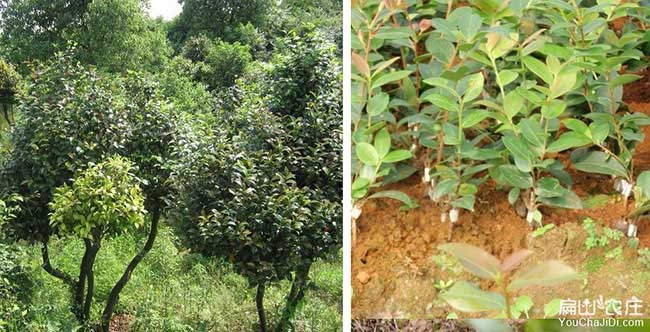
(114,296)
(47,266)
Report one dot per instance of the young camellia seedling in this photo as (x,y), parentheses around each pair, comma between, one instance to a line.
(467,297)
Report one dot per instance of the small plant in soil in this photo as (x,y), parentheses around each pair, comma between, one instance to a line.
(599,239)
(644,257)
(467,297)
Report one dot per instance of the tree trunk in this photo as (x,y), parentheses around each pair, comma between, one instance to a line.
(114,296)
(295,297)
(90,277)
(259,300)
(78,300)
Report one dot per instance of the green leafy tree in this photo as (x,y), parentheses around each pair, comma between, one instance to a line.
(103,201)
(223,64)
(115,35)
(213,17)
(242,206)
(288,125)
(72,116)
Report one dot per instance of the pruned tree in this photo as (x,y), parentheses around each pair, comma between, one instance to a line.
(103,201)
(72,116)
(262,189)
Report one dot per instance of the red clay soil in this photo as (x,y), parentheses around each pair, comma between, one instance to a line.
(395,263)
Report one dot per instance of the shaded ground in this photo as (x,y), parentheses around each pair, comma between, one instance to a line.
(395,263)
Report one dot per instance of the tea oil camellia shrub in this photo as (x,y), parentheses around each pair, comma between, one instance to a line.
(72,116)
(104,201)
(492,90)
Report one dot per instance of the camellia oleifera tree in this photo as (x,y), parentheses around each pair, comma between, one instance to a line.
(262,189)
(105,200)
(72,116)
(246,207)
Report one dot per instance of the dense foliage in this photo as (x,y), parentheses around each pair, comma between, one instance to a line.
(116,35)
(224,123)
(494,91)
(276,208)
(105,200)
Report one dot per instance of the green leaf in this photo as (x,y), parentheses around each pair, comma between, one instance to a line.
(444,188)
(552,308)
(549,187)
(498,45)
(545,274)
(577,126)
(466,297)
(397,155)
(390,77)
(474,259)
(623,79)
(470,26)
(513,104)
(442,49)
(508,76)
(643,182)
(367,154)
(523,304)
(467,189)
(532,132)
(441,101)
(397,195)
(563,83)
(394,33)
(382,143)
(517,147)
(554,109)
(473,117)
(378,103)
(599,162)
(474,87)
(465,202)
(512,176)
(542,230)
(568,140)
(360,183)
(513,195)
(599,131)
(539,68)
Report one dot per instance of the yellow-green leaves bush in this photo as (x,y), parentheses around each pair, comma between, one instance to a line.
(104,200)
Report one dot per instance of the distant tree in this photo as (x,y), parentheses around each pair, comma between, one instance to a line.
(112,34)
(72,116)
(217,64)
(9,81)
(213,17)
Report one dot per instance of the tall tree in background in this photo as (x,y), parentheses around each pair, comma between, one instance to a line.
(115,35)
(214,18)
